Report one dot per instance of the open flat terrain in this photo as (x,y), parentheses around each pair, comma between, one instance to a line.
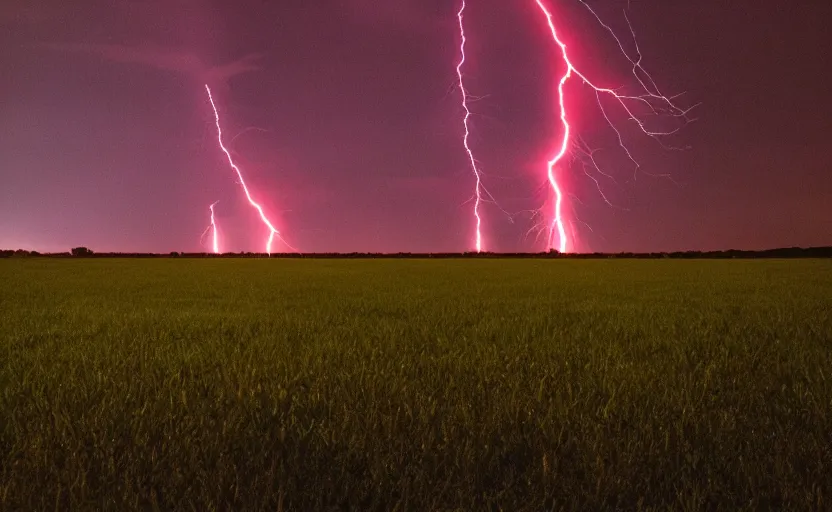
(252,384)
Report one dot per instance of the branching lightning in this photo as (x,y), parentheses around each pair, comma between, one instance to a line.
(472,160)
(273,232)
(212,227)
(647,101)
(214,236)
(649,97)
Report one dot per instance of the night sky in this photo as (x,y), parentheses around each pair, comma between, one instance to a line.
(348,127)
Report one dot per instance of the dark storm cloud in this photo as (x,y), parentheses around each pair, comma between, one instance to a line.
(168,59)
(414,15)
(24,12)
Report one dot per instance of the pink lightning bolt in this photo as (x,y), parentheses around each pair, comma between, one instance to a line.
(557,222)
(478,189)
(650,97)
(214,236)
(272,230)
(212,227)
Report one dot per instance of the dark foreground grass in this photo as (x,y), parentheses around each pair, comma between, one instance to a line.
(415,385)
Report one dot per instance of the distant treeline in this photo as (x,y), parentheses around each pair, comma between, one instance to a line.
(786,252)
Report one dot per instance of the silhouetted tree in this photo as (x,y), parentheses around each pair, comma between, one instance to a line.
(81,251)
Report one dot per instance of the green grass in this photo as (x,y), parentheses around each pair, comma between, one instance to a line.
(415,384)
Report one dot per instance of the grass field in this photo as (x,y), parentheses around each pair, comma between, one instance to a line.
(415,384)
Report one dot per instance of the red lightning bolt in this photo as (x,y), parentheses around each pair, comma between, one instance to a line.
(472,160)
(273,232)
(650,97)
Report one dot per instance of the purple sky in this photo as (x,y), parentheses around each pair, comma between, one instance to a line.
(107,137)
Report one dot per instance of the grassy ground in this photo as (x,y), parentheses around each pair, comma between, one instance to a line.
(415,384)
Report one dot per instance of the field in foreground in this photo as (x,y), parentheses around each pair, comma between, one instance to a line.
(416,384)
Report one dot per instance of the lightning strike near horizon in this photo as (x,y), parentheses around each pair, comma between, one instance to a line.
(471,159)
(214,236)
(212,227)
(273,232)
(649,97)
